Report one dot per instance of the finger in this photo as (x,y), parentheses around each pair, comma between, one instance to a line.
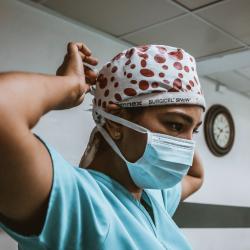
(112,106)
(90,81)
(74,47)
(71,49)
(82,47)
(89,59)
(90,73)
(80,100)
(86,88)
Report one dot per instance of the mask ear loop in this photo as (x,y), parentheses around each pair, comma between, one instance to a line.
(110,141)
(121,121)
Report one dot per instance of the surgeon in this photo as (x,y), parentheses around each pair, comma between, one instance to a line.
(139,163)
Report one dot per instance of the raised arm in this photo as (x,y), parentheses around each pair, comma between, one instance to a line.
(25,164)
(194,179)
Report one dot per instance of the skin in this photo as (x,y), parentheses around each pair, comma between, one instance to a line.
(176,120)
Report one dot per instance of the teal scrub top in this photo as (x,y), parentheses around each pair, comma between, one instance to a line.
(89,210)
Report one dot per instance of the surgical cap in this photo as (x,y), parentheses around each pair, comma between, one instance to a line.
(149,75)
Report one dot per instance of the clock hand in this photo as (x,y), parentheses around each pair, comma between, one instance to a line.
(218,136)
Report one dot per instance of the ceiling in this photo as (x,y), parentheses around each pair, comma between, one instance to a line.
(206,28)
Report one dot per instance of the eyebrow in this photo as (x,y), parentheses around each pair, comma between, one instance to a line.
(185,117)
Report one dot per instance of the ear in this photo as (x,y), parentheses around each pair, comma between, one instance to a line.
(113,128)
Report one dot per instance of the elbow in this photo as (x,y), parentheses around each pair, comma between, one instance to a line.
(199,183)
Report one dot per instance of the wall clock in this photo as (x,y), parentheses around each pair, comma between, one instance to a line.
(219,130)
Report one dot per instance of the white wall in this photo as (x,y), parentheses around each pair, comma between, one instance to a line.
(34,40)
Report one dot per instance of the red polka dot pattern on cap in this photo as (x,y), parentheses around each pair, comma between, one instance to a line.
(162,49)
(186,68)
(161,74)
(141,71)
(129,75)
(128,62)
(143,63)
(159,58)
(106,93)
(191,83)
(178,54)
(177,83)
(147,72)
(118,97)
(178,65)
(117,57)
(155,84)
(143,48)
(130,52)
(103,81)
(130,92)
(114,69)
(145,56)
(99,102)
(143,85)
(104,104)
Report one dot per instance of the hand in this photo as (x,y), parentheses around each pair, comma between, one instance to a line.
(74,67)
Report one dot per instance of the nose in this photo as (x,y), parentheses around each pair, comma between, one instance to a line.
(188,135)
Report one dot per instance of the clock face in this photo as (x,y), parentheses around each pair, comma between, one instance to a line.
(221,130)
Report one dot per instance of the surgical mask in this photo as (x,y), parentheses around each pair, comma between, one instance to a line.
(165,161)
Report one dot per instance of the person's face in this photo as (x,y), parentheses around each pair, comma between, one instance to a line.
(176,120)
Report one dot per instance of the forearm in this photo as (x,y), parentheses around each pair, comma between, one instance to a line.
(28,96)
(196,170)
(194,178)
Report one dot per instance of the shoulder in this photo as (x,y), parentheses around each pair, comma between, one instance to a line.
(74,203)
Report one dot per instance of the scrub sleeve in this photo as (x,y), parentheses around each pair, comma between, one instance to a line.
(88,210)
(66,214)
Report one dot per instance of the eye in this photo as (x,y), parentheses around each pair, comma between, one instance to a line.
(175,126)
(196,131)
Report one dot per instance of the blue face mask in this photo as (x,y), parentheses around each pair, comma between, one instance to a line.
(165,161)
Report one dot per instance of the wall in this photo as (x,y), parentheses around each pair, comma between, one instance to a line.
(34,40)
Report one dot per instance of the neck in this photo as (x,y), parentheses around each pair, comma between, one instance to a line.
(111,164)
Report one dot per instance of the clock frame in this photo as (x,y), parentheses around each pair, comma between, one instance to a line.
(211,141)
